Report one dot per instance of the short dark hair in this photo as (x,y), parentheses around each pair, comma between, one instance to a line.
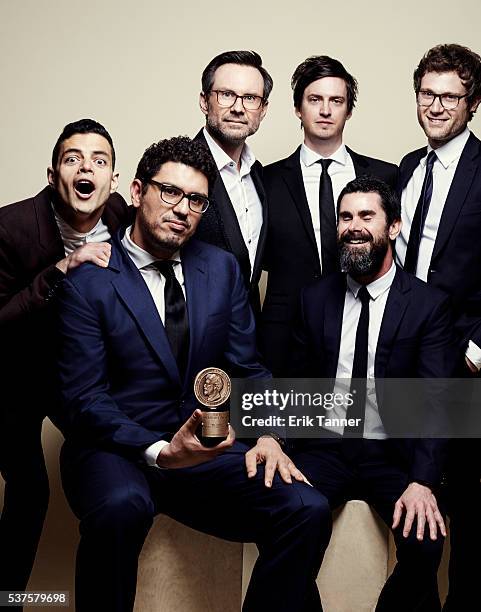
(243,58)
(82,126)
(180,149)
(369,184)
(453,58)
(317,67)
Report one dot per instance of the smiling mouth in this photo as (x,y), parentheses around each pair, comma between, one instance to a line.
(84,187)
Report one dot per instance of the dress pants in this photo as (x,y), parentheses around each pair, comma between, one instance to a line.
(463,500)
(22,466)
(116,499)
(376,477)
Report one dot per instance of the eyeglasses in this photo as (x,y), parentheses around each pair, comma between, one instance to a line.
(227,99)
(448,101)
(172,195)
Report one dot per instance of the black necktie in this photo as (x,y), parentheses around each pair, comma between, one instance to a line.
(327,218)
(176,319)
(417,227)
(359,372)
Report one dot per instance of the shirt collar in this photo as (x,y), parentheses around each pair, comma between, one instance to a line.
(222,159)
(310,157)
(69,233)
(377,287)
(451,151)
(142,259)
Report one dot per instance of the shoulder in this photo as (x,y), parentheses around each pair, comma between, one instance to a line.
(24,209)
(371,165)
(423,293)
(413,155)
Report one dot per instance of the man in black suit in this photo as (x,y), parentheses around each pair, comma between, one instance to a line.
(440,188)
(41,239)
(234,98)
(301,193)
(375,321)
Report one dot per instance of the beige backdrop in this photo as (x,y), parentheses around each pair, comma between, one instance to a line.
(135,66)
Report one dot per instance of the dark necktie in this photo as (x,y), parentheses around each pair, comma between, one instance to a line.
(327,218)
(359,375)
(417,227)
(176,320)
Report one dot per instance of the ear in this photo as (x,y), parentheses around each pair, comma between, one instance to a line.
(114,182)
(51,176)
(474,106)
(298,113)
(395,229)
(204,105)
(136,192)
(264,110)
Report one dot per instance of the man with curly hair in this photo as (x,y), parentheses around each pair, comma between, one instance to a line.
(134,336)
(440,187)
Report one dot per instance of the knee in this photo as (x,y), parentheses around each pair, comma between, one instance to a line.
(123,511)
(309,507)
(422,554)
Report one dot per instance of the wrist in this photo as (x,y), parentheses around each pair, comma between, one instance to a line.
(164,457)
(273,436)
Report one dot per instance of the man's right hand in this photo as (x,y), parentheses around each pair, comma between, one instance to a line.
(185,450)
(97,253)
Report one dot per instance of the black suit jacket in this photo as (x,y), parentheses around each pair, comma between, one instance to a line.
(415,341)
(219,226)
(456,260)
(291,255)
(30,246)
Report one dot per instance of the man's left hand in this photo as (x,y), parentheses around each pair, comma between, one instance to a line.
(419,502)
(268,451)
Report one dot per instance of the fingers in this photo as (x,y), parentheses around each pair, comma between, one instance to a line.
(284,469)
(251,463)
(421,520)
(192,422)
(408,520)
(396,518)
(269,471)
(438,517)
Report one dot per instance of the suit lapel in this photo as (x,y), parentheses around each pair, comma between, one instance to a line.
(292,176)
(196,289)
(463,178)
(133,292)
(333,313)
(257,180)
(359,162)
(48,232)
(407,168)
(397,302)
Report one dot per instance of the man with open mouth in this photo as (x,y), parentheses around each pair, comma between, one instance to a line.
(41,239)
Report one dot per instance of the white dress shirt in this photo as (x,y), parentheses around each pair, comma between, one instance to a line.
(242,193)
(72,239)
(445,165)
(341,172)
(379,291)
(155,282)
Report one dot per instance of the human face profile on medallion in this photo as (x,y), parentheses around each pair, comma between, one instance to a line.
(212,387)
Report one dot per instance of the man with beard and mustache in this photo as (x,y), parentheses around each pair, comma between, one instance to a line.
(42,239)
(373,321)
(234,98)
(134,336)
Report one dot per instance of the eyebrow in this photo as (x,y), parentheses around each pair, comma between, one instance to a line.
(72,150)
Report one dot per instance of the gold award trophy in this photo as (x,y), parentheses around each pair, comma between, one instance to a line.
(212,390)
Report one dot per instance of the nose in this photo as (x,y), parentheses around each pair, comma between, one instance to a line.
(324,108)
(355,225)
(86,165)
(238,106)
(436,106)
(182,207)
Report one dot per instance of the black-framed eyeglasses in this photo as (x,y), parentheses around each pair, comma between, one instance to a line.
(227,99)
(172,195)
(448,101)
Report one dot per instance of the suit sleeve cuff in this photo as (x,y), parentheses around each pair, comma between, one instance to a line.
(473,353)
(152,452)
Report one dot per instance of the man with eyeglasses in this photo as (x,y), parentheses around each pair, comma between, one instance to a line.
(301,193)
(440,188)
(134,336)
(234,98)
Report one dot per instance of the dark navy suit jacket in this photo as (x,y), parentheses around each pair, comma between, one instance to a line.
(456,260)
(120,382)
(415,341)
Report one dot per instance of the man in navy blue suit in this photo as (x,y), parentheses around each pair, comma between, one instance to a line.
(133,339)
(375,321)
(440,188)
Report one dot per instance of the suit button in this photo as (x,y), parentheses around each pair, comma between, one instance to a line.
(316,276)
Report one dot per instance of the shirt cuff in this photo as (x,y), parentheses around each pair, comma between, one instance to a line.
(152,452)
(473,353)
